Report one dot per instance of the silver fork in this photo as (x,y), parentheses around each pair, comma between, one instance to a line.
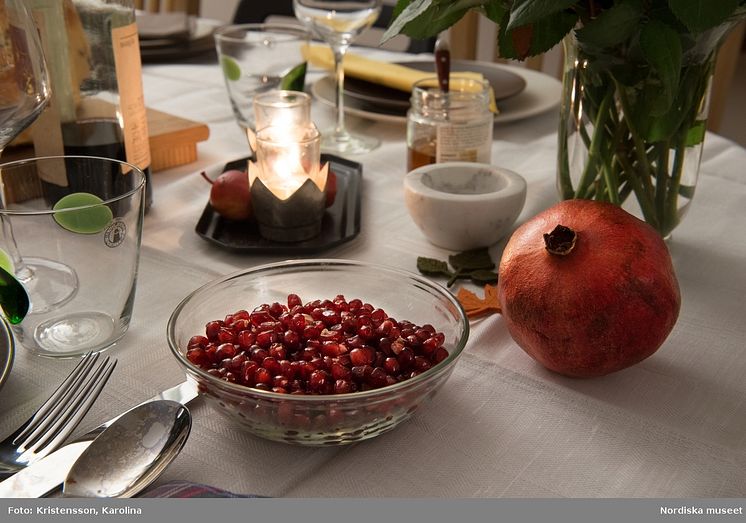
(58,416)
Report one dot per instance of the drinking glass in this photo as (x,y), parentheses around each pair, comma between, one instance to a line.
(24,87)
(87,217)
(257,58)
(339,22)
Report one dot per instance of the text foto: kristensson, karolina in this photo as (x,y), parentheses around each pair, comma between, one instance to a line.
(705,511)
(74,511)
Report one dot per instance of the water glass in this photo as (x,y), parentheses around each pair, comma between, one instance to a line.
(257,58)
(72,238)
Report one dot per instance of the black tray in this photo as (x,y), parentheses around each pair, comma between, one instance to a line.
(340,224)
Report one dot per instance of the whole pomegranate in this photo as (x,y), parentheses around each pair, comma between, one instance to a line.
(587,289)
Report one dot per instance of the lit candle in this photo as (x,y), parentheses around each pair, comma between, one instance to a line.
(287,182)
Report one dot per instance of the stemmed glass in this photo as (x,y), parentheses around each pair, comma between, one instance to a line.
(24,93)
(338,22)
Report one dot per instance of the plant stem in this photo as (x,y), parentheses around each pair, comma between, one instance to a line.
(596,143)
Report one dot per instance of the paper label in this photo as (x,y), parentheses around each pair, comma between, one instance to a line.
(46,132)
(126,45)
(464,142)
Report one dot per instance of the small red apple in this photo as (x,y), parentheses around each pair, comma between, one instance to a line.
(331,188)
(230,195)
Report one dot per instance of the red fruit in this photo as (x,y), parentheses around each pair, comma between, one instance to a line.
(331,188)
(230,195)
(595,306)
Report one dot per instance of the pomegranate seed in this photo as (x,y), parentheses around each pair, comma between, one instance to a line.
(359,357)
(265,338)
(245,339)
(212,328)
(262,375)
(294,301)
(441,353)
(226,336)
(225,350)
(272,366)
(197,341)
(278,351)
(198,357)
(344,387)
(392,366)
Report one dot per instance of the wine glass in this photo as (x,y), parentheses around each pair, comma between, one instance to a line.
(24,88)
(24,93)
(338,22)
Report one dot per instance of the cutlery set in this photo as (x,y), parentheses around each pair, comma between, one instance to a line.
(35,463)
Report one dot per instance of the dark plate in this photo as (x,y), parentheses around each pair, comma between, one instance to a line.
(504,83)
(340,224)
(202,42)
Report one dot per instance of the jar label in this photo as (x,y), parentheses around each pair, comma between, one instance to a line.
(126,45)
(464,142)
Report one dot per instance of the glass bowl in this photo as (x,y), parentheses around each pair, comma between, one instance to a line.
(320,420)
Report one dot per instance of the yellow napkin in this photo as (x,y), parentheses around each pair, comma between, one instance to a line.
(391,75)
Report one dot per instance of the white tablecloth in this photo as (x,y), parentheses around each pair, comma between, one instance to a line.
(671,426)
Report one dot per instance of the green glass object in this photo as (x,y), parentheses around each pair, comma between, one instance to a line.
(13,297)
(91,218)
(6,262)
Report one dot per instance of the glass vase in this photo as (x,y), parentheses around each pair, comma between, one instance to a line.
(623,140)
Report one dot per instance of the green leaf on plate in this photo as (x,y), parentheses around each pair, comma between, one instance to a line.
(86,215)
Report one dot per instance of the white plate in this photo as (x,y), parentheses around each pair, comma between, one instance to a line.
(541,94)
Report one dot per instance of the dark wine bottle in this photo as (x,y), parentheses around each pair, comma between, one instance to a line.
(97,108)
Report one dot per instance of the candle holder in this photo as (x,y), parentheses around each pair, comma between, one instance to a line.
(279,108)
(288,183)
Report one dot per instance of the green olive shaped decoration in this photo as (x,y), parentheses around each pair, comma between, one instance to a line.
(92,217)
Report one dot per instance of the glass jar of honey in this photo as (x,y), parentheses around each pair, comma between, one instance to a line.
(452,126)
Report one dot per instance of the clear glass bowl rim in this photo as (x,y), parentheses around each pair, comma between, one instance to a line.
(341,398)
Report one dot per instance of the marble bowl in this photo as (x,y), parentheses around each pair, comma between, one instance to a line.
(464,205)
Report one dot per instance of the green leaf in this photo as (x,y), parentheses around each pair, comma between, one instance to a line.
(295,79)
(696,133)
(433,267)
(526,12)
(406,15)
(494,10)
(612,26)
(661,47)
(537,38)
(472,260)
(483,277)
(699,15)
(425,18)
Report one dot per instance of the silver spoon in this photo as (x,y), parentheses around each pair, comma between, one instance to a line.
(131,453)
